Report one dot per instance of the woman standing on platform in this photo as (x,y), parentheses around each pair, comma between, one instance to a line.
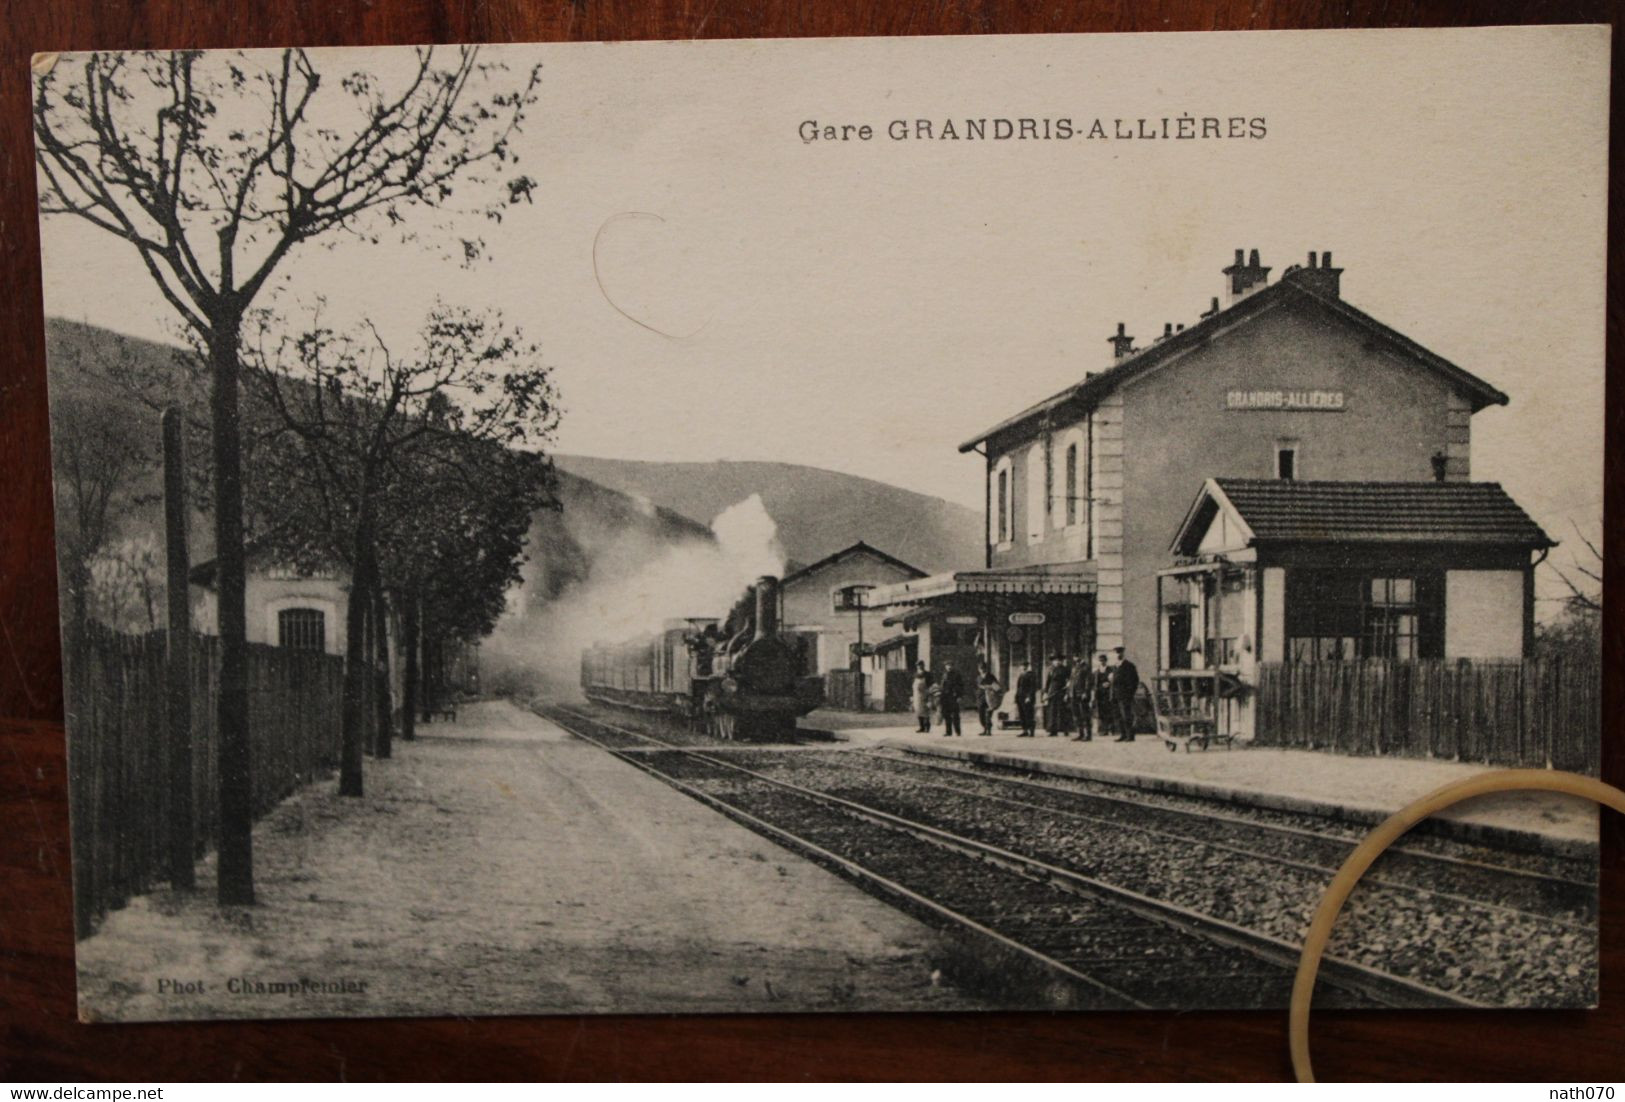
(989,694)
(920,696)
(1056,686)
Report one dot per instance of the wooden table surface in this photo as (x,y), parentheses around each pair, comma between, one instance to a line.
(39,1037)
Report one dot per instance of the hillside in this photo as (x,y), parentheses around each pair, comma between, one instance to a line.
(817,511)
(599,534)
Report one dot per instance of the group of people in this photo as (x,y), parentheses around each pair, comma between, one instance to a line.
(1075,697)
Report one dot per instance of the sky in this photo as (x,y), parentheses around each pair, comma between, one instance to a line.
(707,285)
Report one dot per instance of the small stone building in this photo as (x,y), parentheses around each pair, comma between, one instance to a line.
(1276,571)
(825,605)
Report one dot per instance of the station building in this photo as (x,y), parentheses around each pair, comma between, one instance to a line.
(1278,383)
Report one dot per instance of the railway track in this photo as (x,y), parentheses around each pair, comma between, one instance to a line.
(1335,843)
(1103,944)
(1444,878)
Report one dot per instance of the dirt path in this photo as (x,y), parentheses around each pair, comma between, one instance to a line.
(499,866)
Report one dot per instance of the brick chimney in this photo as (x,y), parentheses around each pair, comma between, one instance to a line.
(1321,278)
(1122,344)
(1244,276)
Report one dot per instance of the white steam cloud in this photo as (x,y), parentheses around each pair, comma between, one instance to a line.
(635,584)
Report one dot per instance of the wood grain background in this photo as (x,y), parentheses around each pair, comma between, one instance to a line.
(39,1037)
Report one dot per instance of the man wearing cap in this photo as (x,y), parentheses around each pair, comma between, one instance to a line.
(1125,683)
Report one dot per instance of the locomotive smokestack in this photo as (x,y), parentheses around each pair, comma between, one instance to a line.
(767,606)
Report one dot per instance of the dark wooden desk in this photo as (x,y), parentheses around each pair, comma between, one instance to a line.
(39,1038)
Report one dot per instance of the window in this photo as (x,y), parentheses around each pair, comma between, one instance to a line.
(1037,491)
(1391,619)
(302,629)
(849,598)
(1004,506)
(1286,460)
(1338,615)
(1071,490)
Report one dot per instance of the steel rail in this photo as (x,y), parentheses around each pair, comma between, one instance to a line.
(1230,847)
(999,768)
(906,897)
(1351,976)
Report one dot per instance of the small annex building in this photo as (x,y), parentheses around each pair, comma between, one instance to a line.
(1277,571)
(824,606)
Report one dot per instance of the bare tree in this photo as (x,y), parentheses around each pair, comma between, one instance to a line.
(214,168)
(371,427)
(100,467)
(127,585)
(1585,595)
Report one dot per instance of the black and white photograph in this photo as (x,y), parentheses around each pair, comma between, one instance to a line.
(920,524)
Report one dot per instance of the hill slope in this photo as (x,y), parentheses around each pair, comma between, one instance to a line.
(817,511)
(599,534)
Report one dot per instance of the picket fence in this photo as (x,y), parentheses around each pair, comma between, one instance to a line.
(1544,713)
(119,790)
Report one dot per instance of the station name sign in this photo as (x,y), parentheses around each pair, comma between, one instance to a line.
(1320,401)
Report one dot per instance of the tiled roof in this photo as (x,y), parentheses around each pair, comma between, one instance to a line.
(1084,394)
(859,548)
(1382,512)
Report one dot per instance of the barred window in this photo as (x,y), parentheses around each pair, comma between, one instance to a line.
(302,629)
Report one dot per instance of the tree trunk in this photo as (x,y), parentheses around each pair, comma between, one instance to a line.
(178,656)
(409,678)
(355,652)
(428,672)
(236,779)
(369,683)
(380,635)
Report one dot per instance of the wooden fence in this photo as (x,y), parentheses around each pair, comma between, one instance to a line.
(118,789)
(1539,712)
(844,689)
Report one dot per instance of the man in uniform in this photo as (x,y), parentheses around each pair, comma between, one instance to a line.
(948,696)
(1080,698)
(1125,684)
(1101,685)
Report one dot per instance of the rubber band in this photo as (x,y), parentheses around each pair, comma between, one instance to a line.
(1385,834)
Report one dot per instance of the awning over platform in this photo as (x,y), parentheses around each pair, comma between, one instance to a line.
(1064,579)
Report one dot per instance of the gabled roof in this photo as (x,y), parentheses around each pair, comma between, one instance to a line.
(1273,510)
(859,548)
(1094,387)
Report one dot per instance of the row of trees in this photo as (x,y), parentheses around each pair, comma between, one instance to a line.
(417,470)
(214,169)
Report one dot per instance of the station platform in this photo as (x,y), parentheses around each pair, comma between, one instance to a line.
(1357,790)
(498,865)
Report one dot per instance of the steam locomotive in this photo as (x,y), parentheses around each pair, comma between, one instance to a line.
(734,678)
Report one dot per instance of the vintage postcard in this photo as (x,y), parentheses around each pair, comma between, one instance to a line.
(827,525)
